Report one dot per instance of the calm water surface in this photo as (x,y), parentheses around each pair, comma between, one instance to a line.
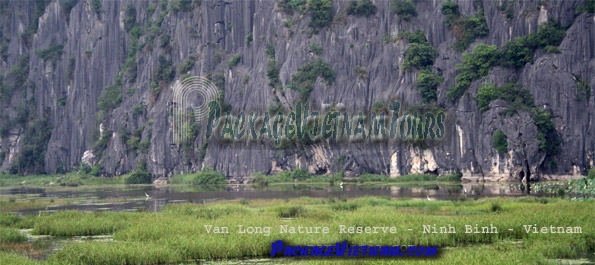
(134,197)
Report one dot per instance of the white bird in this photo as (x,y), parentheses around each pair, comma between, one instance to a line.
(147,195)
(428,196)
(465,190)
(341,185)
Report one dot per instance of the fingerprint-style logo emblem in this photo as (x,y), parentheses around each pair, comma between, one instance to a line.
(191,97)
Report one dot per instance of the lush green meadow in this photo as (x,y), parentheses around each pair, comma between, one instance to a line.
(179,233)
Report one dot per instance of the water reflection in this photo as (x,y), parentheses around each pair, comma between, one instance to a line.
(133,198)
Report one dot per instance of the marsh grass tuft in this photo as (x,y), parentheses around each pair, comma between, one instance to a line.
(290,211)
(11,235)
(496,207)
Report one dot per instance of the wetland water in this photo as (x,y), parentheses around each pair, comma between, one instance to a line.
(133,197)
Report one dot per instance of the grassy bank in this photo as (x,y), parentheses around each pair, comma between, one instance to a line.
(179,233)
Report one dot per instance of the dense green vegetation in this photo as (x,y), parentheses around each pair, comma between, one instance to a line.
(184,5)
(475,65)
(11,235)
(273,69)
(249,38)
(465,28)
(421,55)
(234,61)
(164,71)
(296,175)
(405,9)
(110,98)
(208,176)
(269,50)
(129,18)
(515,54)
(320,11)
(31,159)
(518,98)
(290,6)
(315,48)
(378,106)
(310,71)
(583,89)
(303,81)
(549,141)
(578,189)
(520,51)
(139,177)
(500,141)
(427,85)
(588,6)
(361,8)
(142,238)
(51,53)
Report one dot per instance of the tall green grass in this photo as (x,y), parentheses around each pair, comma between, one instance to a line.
(11,235)
(115,253)
(16,259)
(76,223)
(178,233)
(9,219)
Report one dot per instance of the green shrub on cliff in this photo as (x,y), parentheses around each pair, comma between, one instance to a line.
(500,142)
(362,8)
(465,28)
(475,65)
(51,53)
(321,12)
(520,51)
(405,9)
(427,85)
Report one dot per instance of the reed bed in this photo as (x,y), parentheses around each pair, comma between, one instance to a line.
(76,223)
(11,235)
(187,232)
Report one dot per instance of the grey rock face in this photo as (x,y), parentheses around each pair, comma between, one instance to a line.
(95,48)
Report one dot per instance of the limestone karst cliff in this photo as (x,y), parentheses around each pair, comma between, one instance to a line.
(92,79)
